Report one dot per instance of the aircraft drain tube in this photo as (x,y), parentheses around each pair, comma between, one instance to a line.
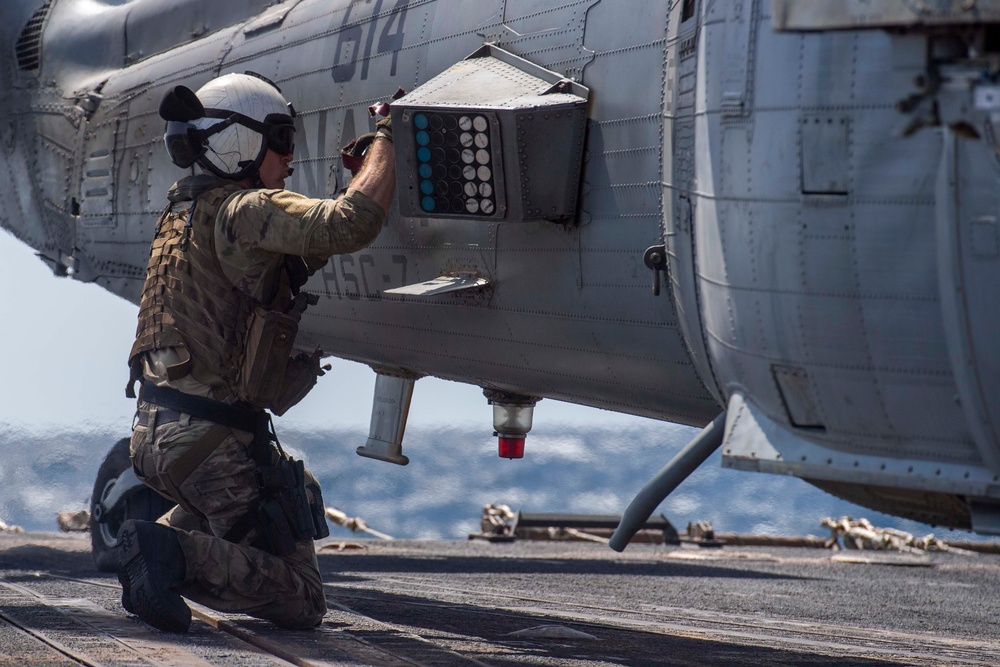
(665,481)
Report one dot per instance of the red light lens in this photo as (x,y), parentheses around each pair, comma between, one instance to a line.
(511,448)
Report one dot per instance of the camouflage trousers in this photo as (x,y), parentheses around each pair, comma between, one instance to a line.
(226,576)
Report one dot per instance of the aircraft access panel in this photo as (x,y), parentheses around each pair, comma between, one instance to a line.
(493,137)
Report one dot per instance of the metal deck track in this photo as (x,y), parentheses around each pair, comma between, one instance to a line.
(453,604)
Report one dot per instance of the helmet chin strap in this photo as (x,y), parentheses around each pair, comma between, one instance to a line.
(252,179)
(255,181)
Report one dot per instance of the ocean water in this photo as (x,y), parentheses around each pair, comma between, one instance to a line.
(454,472)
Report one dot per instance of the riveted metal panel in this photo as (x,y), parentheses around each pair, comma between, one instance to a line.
(968,274)
(154,27)
(755,440)
(85,42)
(738,73)
(853,15)
(797,395)
(825,154)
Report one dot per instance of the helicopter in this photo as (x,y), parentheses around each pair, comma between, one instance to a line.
(774,220)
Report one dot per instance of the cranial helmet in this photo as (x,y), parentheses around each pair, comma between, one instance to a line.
(228,125)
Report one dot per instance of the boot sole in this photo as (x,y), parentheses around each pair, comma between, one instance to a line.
(154,604)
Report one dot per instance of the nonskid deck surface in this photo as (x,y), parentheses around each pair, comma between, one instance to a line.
(457,603)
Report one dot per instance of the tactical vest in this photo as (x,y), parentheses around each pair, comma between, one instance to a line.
(187,301)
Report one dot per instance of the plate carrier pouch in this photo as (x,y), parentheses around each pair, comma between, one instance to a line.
(270,375)
(301,373)
(266,353)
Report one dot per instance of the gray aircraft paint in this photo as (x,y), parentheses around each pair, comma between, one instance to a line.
(832,254)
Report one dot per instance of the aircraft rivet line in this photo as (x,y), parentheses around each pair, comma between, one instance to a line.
(845,367)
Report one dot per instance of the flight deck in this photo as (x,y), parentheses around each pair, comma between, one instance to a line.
(541,603)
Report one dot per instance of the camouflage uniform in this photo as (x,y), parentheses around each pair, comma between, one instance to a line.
(254,230)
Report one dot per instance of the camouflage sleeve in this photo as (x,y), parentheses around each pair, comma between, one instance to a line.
(281,221)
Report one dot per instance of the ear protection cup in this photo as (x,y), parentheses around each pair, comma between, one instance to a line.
(181,104)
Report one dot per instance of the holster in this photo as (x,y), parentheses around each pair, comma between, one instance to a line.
(288,513)
(317,509)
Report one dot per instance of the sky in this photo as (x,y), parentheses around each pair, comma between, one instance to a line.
(64,345)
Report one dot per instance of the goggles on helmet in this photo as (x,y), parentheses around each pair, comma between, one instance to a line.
(280,133)
(278,129)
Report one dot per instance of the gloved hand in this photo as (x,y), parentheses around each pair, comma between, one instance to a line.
(353,154)
(384,127)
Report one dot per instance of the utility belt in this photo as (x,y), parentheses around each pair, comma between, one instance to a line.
(290,508)
(235,416)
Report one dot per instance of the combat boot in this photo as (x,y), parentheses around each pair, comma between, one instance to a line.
(151,564)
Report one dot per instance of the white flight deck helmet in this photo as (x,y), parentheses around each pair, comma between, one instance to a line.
(228,125)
